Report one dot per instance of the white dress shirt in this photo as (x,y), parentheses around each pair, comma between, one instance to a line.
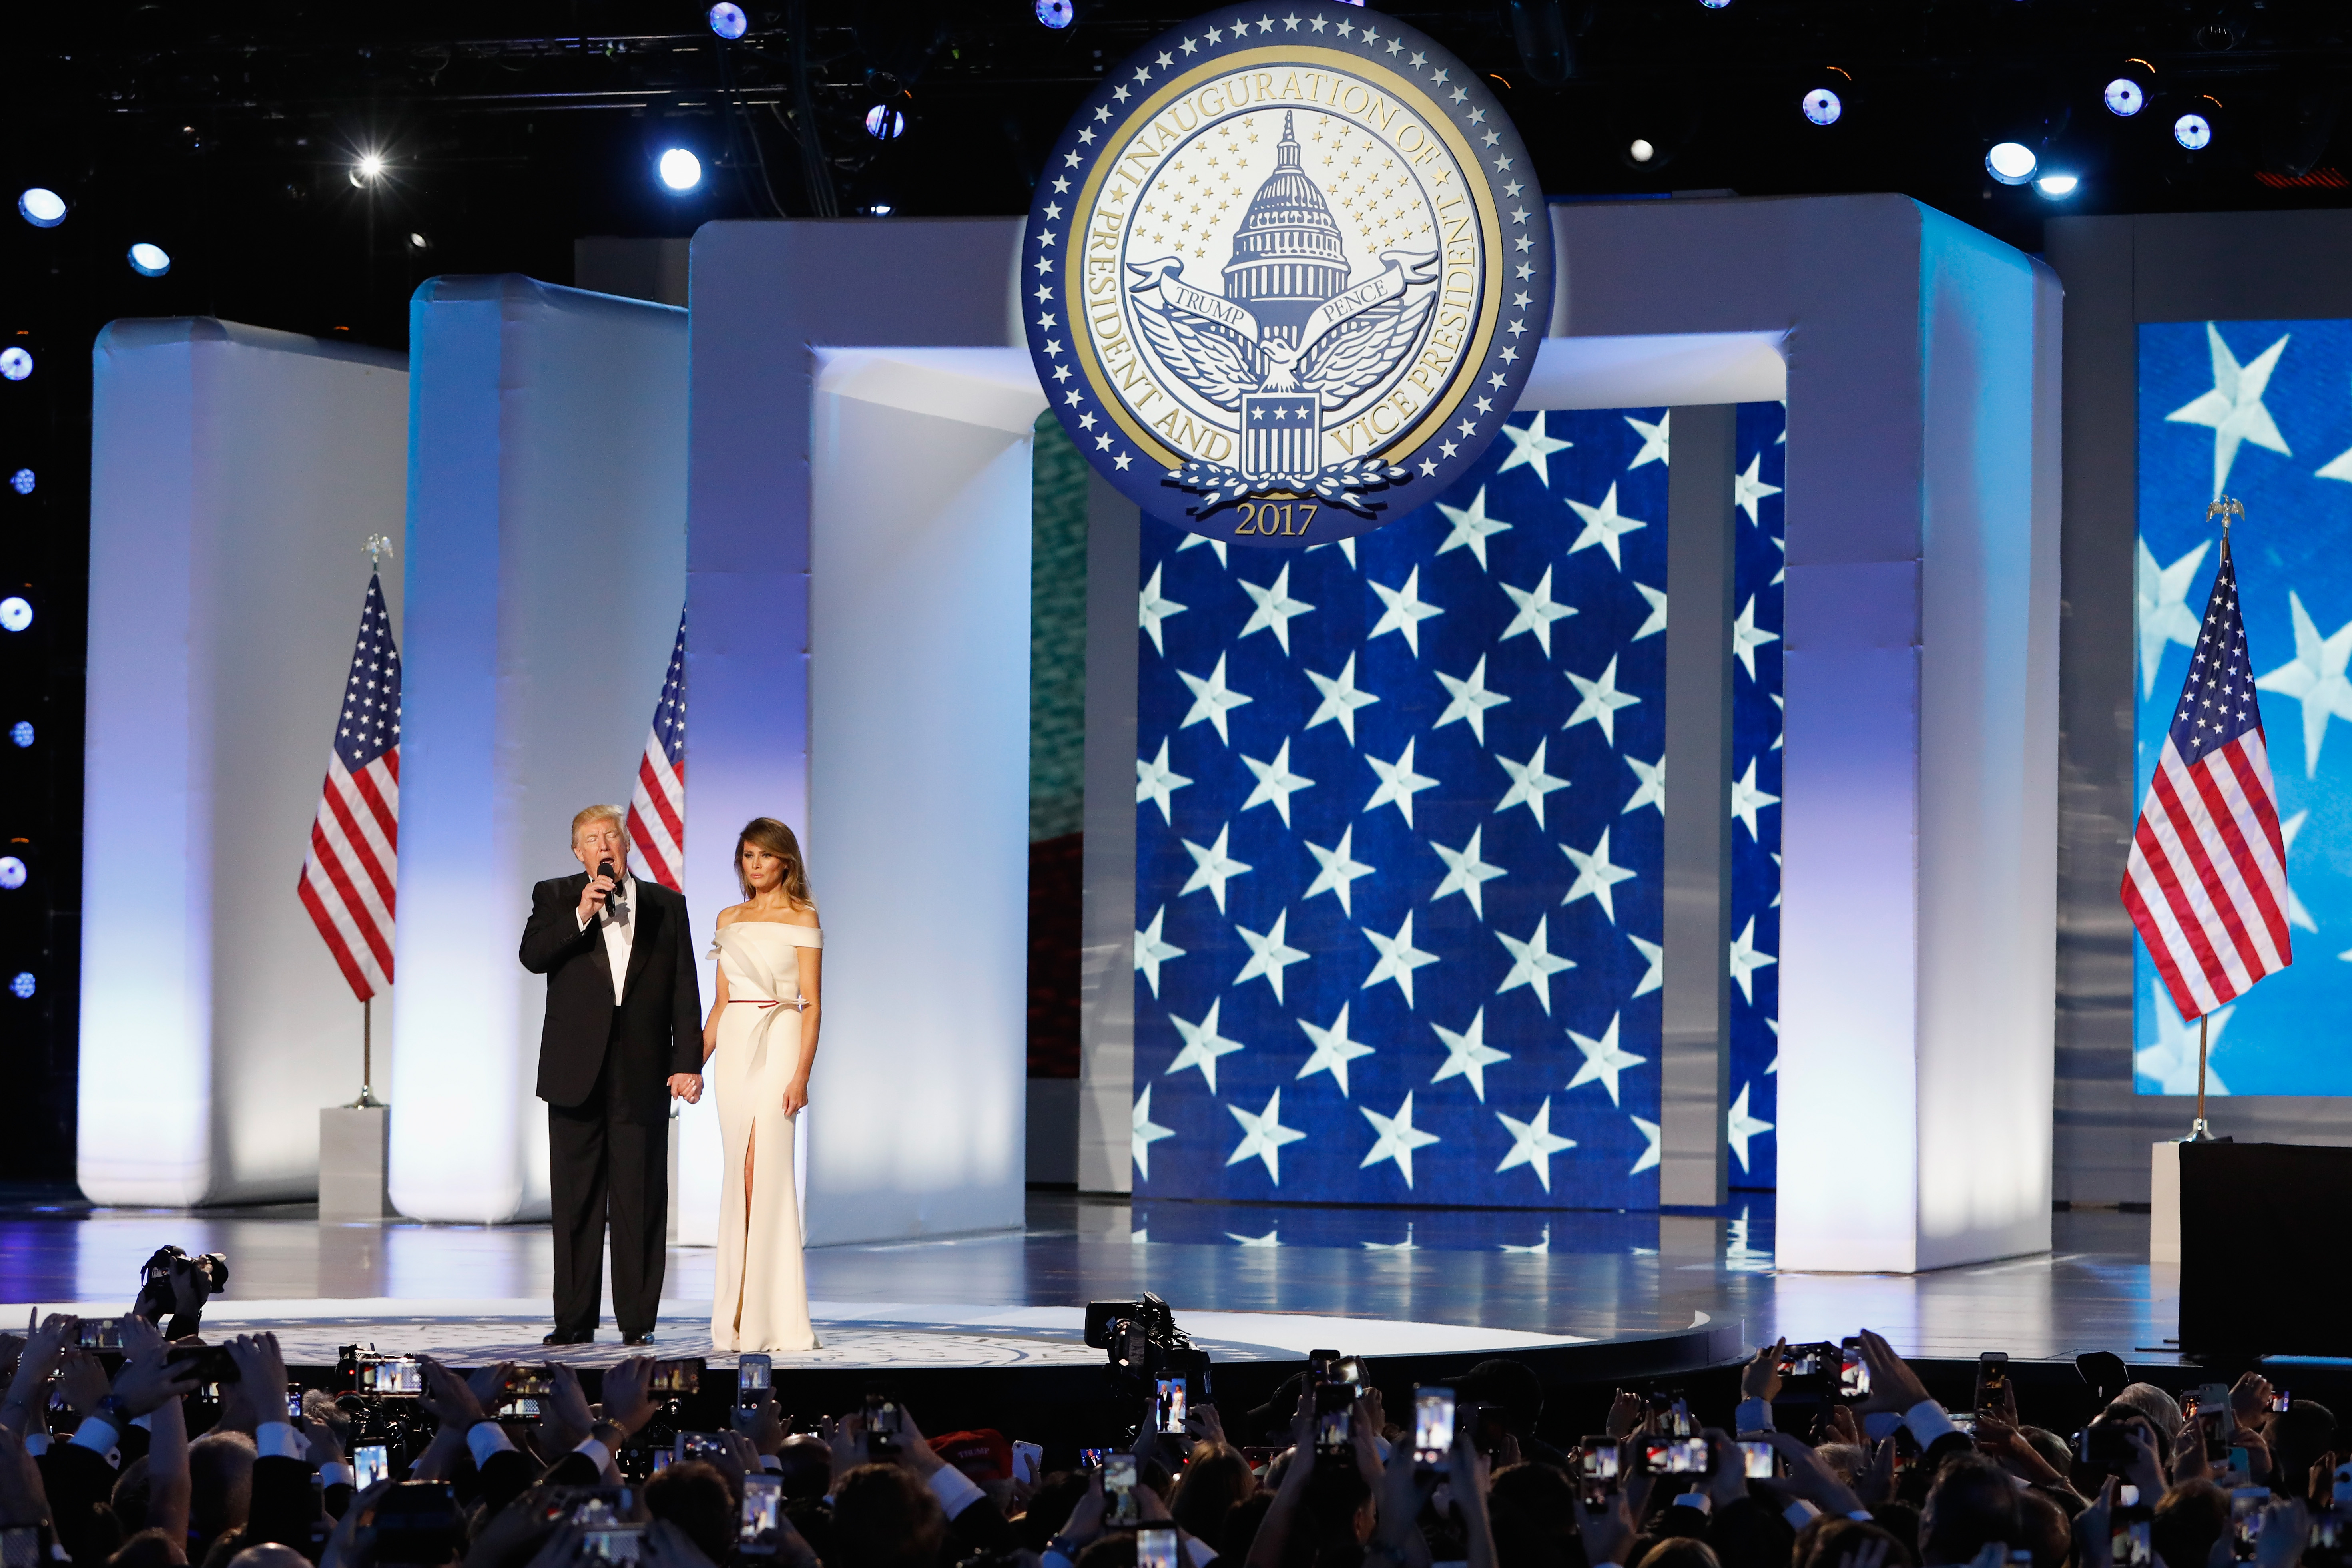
(618,933)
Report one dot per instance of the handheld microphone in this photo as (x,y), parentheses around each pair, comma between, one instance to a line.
(604,868)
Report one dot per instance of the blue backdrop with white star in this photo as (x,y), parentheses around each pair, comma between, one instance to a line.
(2256,409)
(1399,840)
(1761,454)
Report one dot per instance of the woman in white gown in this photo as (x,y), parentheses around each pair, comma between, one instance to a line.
(762,1031)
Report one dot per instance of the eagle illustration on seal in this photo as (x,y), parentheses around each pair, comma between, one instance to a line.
(1289,338)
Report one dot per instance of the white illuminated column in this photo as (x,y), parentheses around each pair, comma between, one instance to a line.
(546,561)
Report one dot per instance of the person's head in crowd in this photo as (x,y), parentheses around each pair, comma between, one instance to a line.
(269,1554)
(807,1466)
(2298,1436)
(2162,1409)
(2043,1529)
(1234,1542)
(1830,1542)
(148,1549)
(985,1456)
(1972,1503)
(1901,1521)
(1680,1551)
(1057,1497)
(694,1497)
(884,1517)
(813,1517)
(220,1479)
(2188,1521)
(132,1491)
(2054,1449)
(1512,1386)
(1531,1509)
(90,1534)
(1209,1487)
(1335,1518)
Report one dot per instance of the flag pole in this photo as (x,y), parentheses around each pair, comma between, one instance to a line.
(378,546)
(2200,1130)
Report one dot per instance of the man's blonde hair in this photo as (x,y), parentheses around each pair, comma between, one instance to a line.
(589,814)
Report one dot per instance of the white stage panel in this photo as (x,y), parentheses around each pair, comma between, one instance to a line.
(235,473)
(546,561)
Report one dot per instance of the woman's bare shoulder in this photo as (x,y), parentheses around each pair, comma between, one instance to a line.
(731,913)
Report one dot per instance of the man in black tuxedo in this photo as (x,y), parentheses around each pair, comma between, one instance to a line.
(623,1035)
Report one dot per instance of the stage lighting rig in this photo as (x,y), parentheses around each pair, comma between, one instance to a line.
(12,873)
(2193,131)
(150,260)
(41,207)
(367,170)
(22,986)
(1640,151)
(680,170)
(16,364)
(20,734)
(1055,13)
(885,124)
(2011,163)
(21,481)
(2056,187)
(729,21)
(1823,107)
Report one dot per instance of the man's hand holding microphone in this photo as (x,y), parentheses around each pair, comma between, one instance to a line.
(600,884)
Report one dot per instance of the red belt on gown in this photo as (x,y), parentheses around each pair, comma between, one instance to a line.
(798,1002)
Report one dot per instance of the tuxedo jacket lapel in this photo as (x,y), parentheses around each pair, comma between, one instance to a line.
(645,918)
(603,954)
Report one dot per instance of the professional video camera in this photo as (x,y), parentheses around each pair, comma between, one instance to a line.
(175,1284)
(1148,1354)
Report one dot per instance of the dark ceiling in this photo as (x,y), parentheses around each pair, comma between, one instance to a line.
(226,132)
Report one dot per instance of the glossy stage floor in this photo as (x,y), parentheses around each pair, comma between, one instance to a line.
(1252,1282)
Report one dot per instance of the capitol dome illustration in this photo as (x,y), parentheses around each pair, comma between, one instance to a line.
(1287,255)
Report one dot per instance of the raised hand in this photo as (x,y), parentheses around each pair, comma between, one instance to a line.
(1761,1378)
(628,1400)
(1893,1386)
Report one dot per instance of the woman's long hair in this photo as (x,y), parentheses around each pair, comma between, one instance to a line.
(777,839)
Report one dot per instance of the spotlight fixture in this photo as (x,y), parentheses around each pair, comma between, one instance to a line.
(16,364)
(1823,107)
(2057,187)
(21,481)
(41,207)
(885,124)
(21,986)
(1715,5)
(680,170)
(2125,97)
(1640,151)
(1057,13)
(2011,163)
(727,20)
(16,613)
(12,872)
(418,242)
(880,209)
(2193,131)
(20,734)
(150,260)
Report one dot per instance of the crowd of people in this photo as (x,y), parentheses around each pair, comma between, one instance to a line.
(98,1465)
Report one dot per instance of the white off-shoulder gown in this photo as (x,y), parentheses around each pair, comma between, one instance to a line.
(760,1302)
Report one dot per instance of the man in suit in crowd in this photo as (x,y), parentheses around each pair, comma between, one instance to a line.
(623,1035)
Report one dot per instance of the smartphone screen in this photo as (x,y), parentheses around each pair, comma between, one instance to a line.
(294,1402)
(1028,1461)
(1432,1427)
(752,1375)
(618,1545)
(763,1499)
(1676,1456)
(2215,1423)
(1119,1489)
(706,1446)
(1758,1461)
(2246,1505)
(1598,1468)
(1093,1459)
(1171,1405)
(1854,1373)
(1155,1547)
(1992,1381)
(371,1462)
(881,1425)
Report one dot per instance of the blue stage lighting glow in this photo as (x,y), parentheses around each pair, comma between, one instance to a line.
(15,614)
(727,21)
(12,872)
(41,207)
(150,260)
(2124,97)
(22,985)
(1823,107)
(1715,5)
(2056,186)
(1057,13)
(2011,163)
(885,124)
(21,481)
(680,170)
(2193,131)
(20,734)
(16,364)
(880,209)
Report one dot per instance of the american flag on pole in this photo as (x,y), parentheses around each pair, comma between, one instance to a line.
(348,876)
(656,824)
(2206,883)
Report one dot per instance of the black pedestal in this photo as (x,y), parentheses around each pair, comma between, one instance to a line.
(2264,1268)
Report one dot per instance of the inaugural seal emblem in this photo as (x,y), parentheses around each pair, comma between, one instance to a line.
(1286,273)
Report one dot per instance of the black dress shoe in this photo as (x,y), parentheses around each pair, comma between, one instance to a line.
(645,1338)
(565,1337)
